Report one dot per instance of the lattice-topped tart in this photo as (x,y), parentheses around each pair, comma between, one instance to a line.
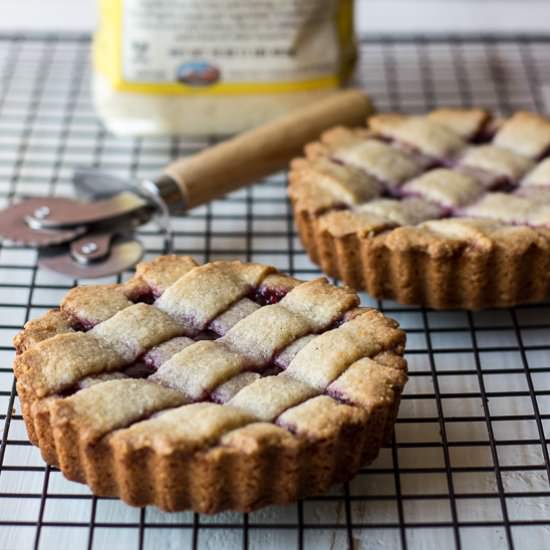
(221,386)
(449,209)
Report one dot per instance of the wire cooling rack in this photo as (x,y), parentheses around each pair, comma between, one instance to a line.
(469,463)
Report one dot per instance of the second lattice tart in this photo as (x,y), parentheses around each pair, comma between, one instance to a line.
(222,386)
(448,209)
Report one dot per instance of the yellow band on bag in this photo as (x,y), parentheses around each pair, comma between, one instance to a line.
(108,60)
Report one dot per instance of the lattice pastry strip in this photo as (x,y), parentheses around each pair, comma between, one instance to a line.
(284,358)
(365,383)
(408,211)
(540,175)
(224,392)
(525,133)
(324,358)
(95,379)
(157,275)
(424,134)
(538,194)
(466,123)
(444,187)
(267,397)
(88,306)
(241,309)
(202,294)
(136,329)
(36,330)
(200,368)
(59,362)
(186,428)
(259,336)
(321,416)
(345,184)
(497,160)
(511,208)
(386,163)
(93,409)
(160,354)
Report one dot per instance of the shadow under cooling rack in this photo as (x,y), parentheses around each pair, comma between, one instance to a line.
(468,466)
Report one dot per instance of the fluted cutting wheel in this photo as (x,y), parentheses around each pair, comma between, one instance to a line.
(14,225)
(123,254)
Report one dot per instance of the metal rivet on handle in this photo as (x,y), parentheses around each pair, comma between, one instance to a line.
(88,248)
(42,212)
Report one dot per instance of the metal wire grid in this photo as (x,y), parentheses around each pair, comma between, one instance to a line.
(469,462)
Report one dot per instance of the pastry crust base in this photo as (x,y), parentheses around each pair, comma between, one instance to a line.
(263,465)
(415,266)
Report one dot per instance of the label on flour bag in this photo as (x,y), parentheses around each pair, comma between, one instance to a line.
(205,47)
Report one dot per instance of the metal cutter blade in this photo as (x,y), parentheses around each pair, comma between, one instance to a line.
(93,256)
(81,239)
(15,226)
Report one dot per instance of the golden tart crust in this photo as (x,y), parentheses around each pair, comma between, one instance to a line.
(213,387)
(458,213)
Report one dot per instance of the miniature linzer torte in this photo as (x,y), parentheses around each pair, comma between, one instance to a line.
(221,386)
(448,209)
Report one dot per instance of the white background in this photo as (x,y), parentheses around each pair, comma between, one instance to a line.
(372,15)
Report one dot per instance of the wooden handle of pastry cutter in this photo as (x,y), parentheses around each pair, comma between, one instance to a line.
(259,152)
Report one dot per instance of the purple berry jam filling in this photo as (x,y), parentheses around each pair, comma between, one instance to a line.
(146,297)
(271,370)
(81,325)
(139,369)
(287,426)
(338,395)
(544,154)
(335,206)
(206,334)
(265,296)
(484,135)
(71,390)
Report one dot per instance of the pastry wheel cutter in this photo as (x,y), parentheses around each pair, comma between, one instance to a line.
(92,236)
